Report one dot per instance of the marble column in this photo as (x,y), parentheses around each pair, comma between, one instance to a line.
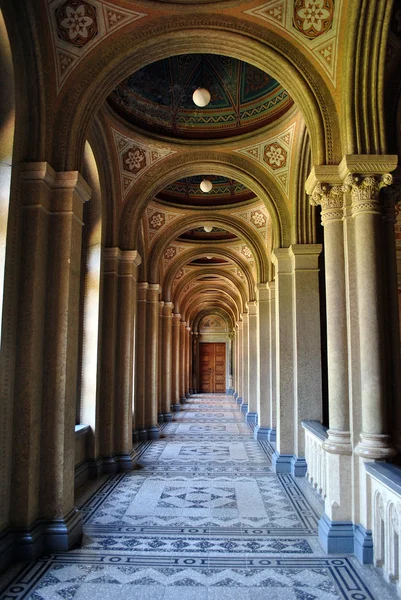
(167,361)
(140,379)
(108,359)
(182,365)
(240,362)
(160,415)
(175,387)
(283,455)
(272,363)
(128,262)
(187,360)
(335,526)
(375,442)
(261,432)
(152,362)
(63,524)
(308,370)
(245,362)
(253,363)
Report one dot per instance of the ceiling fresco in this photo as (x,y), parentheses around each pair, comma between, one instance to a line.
(186,192)
(158,97)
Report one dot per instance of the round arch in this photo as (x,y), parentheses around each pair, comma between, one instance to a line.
(236,166)
(139,47)
(218,303)
(214,311)
(186,257)
(187,279)
(222,292)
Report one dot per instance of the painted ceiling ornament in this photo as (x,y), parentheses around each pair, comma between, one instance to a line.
(258,218)
(275,156)
(313,17)
(77,22)
(157,220)
(134,159)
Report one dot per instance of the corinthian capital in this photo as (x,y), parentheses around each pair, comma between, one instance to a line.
(330,197)
(365,190)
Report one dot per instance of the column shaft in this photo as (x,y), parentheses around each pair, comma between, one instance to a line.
(167,362)
(253,363)
(175,387)
(245,363)
(152,362)
(264,358)
(182,364)
(140,362)
(160,412)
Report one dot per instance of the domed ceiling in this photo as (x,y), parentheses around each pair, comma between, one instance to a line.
(186,192)
(158,98)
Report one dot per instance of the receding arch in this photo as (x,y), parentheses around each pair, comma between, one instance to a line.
(235,166)
(230,37)
(223,292)
(214,311)
(194,253)
(217,303)
(196,275)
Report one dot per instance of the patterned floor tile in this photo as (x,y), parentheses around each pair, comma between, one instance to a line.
(202,518)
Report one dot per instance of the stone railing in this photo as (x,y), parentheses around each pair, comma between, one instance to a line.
(315,456)
(385,485)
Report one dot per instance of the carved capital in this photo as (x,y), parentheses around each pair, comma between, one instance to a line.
(365,190)
(330,197)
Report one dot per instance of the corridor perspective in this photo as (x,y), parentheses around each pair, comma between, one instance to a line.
(200,283)
(204,518)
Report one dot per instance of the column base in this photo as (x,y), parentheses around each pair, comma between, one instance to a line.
(63,534)
(336,537)
(375,446)
(235,395)
(175,407)
(168,417)
(251,417)
(281,463)
(261,433)
(298,466)
(183,400)
(187,395)
(239,400)
(153,433)
(338,442)
(142,435)
(109,465)
(160,418)
(244,407)
(363,545)
(272,435)
(29,543)
(126,462)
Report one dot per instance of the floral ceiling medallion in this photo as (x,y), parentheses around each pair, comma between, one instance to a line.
(76,22)
(313,17)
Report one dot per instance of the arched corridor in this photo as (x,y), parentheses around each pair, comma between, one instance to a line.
(203,518)
(202,197)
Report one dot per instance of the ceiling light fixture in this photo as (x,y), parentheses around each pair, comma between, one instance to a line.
(206,185)
(209,257)
(201,97)
(208,228)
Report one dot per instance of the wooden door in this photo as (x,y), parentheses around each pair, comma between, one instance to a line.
(212,368)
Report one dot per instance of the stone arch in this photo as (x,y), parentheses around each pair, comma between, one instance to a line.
(205,311)
(231,37)
(206,307)
(187,279)
(184,258)
(223,291)
(236,166)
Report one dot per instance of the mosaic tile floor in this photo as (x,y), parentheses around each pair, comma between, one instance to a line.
(202,518)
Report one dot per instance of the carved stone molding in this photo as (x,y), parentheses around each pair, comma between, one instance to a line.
(365,190)
(330,197)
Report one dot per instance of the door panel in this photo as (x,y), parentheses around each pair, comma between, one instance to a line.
(212,362)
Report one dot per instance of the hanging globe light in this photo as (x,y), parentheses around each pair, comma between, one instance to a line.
(201,97)
(206,185)
(208,228)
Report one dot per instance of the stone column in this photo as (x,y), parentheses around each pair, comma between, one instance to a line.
(151,365)
(124,389)
(167,361)
(191,362)
(245,362)
(175,393)
(160,415)
(375,442)
(335,527)
(140,380)
(108,359)
(240,361)
(283,455)
(253,363)
(308,371)
(60,362)
(182,365)
(187,360)
(37,182)
(262,430)
(235,362)
(272,366)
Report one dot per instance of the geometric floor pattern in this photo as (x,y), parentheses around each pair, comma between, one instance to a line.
(202,518)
